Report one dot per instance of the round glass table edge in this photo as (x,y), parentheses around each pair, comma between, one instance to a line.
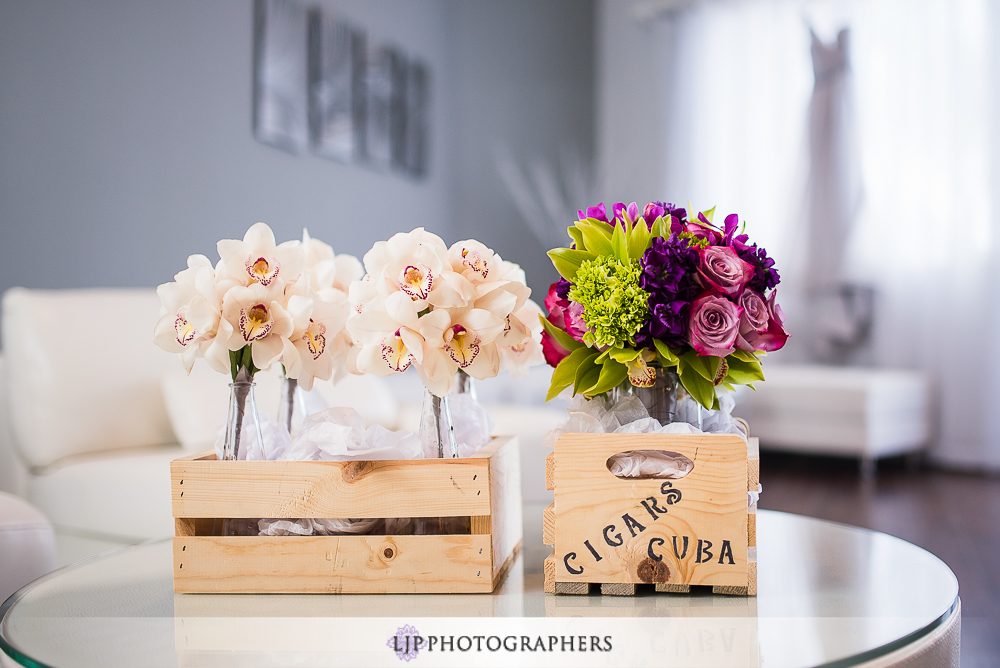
(19,656)
(868,655)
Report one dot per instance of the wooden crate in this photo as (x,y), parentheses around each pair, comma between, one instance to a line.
(485,487)
(621,533)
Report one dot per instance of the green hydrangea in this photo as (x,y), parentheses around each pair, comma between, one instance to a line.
(614,306)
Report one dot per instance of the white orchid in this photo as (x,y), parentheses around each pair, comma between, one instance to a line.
(329,274)
(316,345)
(255,316)
(519,357)
(189,318)
(257,259)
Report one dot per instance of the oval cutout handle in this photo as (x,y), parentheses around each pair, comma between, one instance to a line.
(649,464)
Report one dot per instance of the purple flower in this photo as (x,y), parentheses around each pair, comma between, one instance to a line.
(598,212)
(754,320)
(668,269)
(714,326)
(723,270)
(620,209)
(765,276)
(775,336)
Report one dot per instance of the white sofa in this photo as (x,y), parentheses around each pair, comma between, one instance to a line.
(92,412)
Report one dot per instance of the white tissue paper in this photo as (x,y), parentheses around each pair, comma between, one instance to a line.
(339,434)
(628,416)
(650,464)
(275,435)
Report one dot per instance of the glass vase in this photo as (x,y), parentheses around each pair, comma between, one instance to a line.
(437,432)
(244,440)
(437,438)
(665,400)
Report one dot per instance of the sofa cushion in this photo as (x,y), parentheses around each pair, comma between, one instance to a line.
(83,373)
(123,496)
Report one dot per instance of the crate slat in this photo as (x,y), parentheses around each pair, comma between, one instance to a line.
(549,524)
(333,564)
(202,487)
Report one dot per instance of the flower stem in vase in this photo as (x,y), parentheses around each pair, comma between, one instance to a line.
(437,437)
(437,433)
(464,384)
(242,416)
(287,406)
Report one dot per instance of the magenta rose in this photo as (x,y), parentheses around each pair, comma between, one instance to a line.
(714,326)
(774,337)
(552,350)
(722,269)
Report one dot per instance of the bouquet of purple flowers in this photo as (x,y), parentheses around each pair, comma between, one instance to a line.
(652,291)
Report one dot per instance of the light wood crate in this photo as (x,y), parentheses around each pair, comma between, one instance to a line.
(620,533)
(485,487)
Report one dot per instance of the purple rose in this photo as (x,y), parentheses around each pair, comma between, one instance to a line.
(754,320)
(774,337)
(722,269)
(714,326)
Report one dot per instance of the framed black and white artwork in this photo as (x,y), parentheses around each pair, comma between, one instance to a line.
(280,106)
(337,97)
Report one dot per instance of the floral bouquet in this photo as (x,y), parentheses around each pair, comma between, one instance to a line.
(450,313)
(261,304)
(655,292)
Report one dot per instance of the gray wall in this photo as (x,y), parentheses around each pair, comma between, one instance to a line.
(126,142)
(632,100)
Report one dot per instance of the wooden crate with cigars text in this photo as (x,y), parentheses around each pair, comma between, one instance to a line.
(485,488)
(669,534)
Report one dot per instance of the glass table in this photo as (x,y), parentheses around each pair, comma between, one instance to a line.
(829,595)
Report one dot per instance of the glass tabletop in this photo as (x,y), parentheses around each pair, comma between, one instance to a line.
(828,595)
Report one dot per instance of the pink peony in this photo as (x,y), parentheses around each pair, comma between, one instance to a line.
(714,325)
(774,337)
(722,269)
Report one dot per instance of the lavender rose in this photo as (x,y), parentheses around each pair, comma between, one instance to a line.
(774,337)
(722,269)
(714,326)
(754,320)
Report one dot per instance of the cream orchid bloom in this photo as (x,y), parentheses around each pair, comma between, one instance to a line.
(329,275)
(416,264)
(467,343)
(189,320)
(312,351)
(391,334)
(257,260)
(475,261)
(256,317)
(518,358)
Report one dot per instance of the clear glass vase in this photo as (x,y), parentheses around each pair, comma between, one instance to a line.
(244,440)
(437,438)
(665,400)
(437,432)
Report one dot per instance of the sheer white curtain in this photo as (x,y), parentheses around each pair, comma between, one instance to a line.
(925,235)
